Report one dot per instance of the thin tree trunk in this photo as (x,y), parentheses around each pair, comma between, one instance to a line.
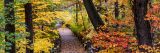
(116,5)
(150,3)
(10,26)
(42,27)
(143,27)
(93,14)
(29,25)
(116,9)
(77,11)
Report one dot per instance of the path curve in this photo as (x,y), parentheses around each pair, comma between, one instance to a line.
(70,44)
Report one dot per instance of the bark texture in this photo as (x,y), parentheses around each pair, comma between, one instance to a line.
(29,25)
(143,27)
(93,14)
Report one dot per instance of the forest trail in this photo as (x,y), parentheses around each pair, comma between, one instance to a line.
(70,43)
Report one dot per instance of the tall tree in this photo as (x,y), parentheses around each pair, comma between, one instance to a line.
(29,25)
(93,14)
(116,9)
(123,10)
(143,27)
(116,13)
(10,26)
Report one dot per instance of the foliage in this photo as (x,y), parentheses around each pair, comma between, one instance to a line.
(112,40)
(43,38)
(47,36)
(153,17)
(119,35)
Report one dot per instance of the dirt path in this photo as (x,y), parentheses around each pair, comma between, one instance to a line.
(70,44)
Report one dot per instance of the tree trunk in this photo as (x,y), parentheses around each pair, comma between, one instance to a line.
(116,13)
(29,25)
(77,5)
(93,14)
(143,27)
(10,26)
(123,10)
(116,9)
(150,3)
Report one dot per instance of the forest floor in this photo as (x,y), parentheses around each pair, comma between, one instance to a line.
(70,43)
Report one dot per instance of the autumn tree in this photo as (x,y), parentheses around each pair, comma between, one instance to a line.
(93,14)
(10,26)
(29,25)
(116,9)
(143,27)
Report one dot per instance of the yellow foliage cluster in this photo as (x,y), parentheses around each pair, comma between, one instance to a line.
(120,1)
(150,49)
(48,17)
(44,17)
(42,6)
(43,40)
(21,44)
(42,45)
(43,1)
(64,15)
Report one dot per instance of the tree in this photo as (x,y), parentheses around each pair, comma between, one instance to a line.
(116,13)
(93,14)
(143,27)
(116,9)
(10,26)
(29,25)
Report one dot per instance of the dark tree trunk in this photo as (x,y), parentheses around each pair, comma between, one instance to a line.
(42,27)
(143,27)
(29,25)
(150,3)
(116,9)
(123,10)
(116,13)
(93,14)
(77,5)
(10,26)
